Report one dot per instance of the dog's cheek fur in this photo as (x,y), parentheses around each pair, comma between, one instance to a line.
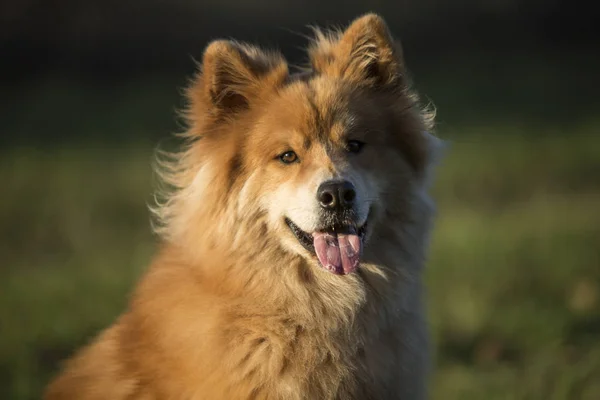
(205,180)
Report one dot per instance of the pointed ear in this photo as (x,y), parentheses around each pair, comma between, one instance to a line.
(234,75)
(364,53)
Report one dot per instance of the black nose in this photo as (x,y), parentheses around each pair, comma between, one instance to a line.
(336,195)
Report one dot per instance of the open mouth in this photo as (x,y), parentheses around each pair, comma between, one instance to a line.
(338,248)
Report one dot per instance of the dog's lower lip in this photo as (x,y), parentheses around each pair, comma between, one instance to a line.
(304,238)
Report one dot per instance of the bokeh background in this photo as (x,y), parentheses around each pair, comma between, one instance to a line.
(89,89)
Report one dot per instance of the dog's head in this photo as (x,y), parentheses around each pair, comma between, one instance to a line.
(320,160)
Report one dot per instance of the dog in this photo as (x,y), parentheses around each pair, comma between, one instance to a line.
(294,235)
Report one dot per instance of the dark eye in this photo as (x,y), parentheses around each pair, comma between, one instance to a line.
(354,146)
(288,157)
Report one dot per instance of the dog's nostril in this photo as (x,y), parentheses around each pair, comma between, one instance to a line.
(327,198)
(349,195)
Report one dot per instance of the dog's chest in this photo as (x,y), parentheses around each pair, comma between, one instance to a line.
(340,367)
(326,360)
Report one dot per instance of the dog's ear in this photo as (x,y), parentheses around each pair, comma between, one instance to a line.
(364,53)
(233,75)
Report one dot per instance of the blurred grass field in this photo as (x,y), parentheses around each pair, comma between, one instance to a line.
(514,277)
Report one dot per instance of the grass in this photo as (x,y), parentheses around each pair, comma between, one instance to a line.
(514,277)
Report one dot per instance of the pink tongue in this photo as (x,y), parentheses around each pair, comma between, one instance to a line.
(338,252)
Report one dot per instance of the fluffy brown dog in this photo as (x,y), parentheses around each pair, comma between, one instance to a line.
(294,238)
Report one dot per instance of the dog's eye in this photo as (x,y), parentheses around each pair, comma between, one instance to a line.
(288,157)
(354,146)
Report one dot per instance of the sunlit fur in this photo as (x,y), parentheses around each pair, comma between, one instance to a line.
(233,307)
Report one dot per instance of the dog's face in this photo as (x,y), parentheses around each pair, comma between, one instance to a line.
(324,156)
(316,167)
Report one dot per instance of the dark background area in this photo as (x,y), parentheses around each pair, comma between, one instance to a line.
(89,89)
(531,59)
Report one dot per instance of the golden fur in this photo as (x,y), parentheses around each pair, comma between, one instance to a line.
(232,306)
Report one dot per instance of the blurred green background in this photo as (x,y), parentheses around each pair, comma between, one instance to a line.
(89,89)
